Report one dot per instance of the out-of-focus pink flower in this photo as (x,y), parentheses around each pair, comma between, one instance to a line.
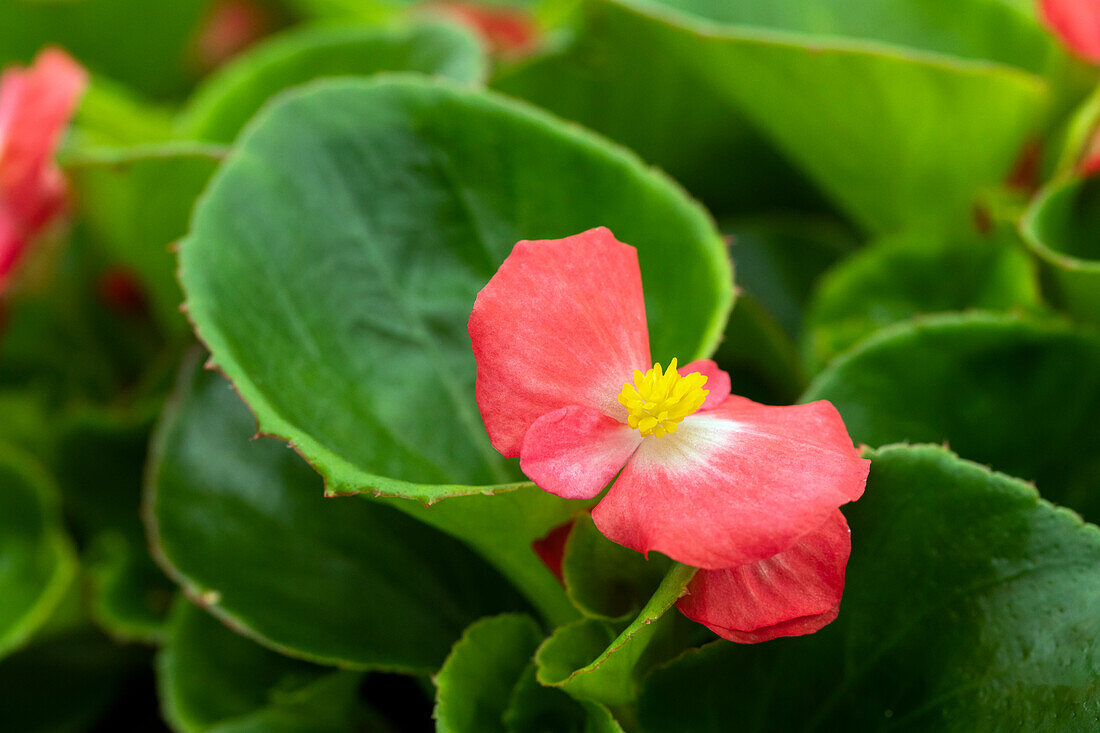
(507,31)
(231,27)
(710,479)
(36,104)
(1077,23)
(121,291)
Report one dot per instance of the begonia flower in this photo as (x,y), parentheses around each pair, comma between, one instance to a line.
(1076,23)
(36,104)
(710,479)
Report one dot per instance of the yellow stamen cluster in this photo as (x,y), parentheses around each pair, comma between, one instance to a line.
(658,400)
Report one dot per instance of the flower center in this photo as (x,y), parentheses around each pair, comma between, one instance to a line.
(658,400)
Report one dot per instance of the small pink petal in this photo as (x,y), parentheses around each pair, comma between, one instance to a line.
(735,484)
(551,548)
(506,30)
(562,322)
(35,107)
(793,593)
(574,452)
(1077,23)
(718,381)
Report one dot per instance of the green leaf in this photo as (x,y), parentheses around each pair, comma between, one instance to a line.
(1060,226)
(475,684)
(534,707)
(130,596)
(761,359)
(37,560)
(610,78)
(146,45)
(245,527)
(334,259)
(901,277)
(779,259)
(1017,394)
(64,683)
(110,115)
(501,526)
(222,105)
(99,459)
(590,662)
(138,205)
(886,108)
(211,679)
(605,580)
(969,604)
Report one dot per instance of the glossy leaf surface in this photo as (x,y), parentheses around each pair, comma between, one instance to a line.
(37,561)
(244,526)
(224,103)
(1013,393)
(901,277)
(333,262)
(969,604)
(212,679)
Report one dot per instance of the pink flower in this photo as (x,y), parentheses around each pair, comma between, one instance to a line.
(507,31)
(35,106)
(710,479)
(231,27)
(1077,23)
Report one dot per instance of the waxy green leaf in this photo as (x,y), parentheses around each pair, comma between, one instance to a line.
(37,560)
(969,604)
(1017,394)
(534,707)
(1061,228)
(475,683)
(610,77)
(333,262)
(244,526)
(902,112)
(216,681)
(224,103)
(901,277)
(590,662)
(605,580)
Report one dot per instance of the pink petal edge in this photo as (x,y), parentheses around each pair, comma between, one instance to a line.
(793,593)
(574,452)
(561,323)
(718,381)
(1076,23)
(734,485)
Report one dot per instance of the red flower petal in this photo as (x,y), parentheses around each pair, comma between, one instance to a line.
(35,107)
(561,323)
(795,592)
(1077,23)
(11,244)
(507,30)
(735,484)
(551,549)
(718,381)
(574,452)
